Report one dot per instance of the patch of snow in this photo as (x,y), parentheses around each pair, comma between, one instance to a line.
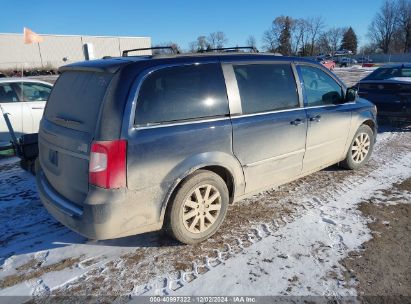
(299,258)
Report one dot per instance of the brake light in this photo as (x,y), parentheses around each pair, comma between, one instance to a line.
(107,167)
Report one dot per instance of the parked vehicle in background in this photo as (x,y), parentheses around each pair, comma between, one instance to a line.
(389,88)
(329,64)
(342,52)
(24,99)
(346,61)
(364,60)
(322,57)
(136,144)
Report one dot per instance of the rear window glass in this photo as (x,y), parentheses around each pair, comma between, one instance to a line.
(182,93)
(387,73)
(76,99)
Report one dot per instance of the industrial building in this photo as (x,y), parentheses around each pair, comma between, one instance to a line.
(58,50)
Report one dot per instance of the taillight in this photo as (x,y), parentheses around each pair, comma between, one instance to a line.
(107,167)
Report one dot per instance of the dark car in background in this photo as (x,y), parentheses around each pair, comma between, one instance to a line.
(389,88)
(136,144)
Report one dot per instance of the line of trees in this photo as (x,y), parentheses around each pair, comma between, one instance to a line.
(288,36)
(306,37)
(389,32)
(214,40)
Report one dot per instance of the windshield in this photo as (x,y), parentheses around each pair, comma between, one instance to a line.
(387,73)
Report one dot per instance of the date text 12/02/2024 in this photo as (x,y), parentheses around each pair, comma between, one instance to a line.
(202,299)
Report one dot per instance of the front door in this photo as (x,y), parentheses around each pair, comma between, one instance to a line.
(269,134)
(329,118)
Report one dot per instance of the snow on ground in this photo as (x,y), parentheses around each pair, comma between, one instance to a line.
(351,75)
(29,233)
(301,257)
(294,254)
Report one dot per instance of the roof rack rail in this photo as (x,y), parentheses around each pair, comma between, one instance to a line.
(231,49)
(172,48)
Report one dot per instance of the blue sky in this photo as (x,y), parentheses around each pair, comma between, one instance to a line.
(178,20)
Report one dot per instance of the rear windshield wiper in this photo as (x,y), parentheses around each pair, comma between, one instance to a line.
(67,122)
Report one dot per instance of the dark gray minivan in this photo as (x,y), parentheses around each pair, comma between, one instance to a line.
(135,144)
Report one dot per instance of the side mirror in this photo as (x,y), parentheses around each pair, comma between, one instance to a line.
(350,95)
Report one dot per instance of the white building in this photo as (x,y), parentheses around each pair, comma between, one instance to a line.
(55,49)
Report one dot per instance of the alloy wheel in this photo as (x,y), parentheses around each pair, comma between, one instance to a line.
(360,147)
(201,209)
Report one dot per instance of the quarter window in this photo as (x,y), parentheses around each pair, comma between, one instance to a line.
(320,88)
(266,87)
(182,93)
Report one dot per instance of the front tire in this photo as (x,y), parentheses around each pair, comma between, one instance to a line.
(360,149)
(198,208)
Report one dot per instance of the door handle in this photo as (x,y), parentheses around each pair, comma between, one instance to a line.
(37,108)
(316,118)
(297,122)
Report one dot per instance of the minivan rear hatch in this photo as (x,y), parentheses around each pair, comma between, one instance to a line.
(67,130)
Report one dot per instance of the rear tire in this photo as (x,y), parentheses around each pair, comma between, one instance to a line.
(198,208)
(360,149)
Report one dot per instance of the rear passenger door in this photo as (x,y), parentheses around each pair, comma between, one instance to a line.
(329,118)
(269,122)
(181,118)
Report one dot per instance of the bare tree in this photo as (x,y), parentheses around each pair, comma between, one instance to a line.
(273,38)
(334,36)
(383,26)
(299,36)
(315,25)
(270,41)
(200,44)
(323,44)
(217,40)
(192,47)
(173,45)
(368,49)
(404,24)
(251,41)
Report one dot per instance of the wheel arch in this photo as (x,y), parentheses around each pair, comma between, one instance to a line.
(371,124)
(222,164)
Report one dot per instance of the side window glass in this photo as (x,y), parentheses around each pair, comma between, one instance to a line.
(320,88)
(266,87)
(7,93)
(182,93)
(34,91)
(405,72)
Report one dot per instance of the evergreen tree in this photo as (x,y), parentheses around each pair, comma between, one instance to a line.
(349,41)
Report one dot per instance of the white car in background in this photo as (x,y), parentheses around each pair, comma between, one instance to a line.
(24,100)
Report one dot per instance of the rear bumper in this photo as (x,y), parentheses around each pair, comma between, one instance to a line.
(105,214)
